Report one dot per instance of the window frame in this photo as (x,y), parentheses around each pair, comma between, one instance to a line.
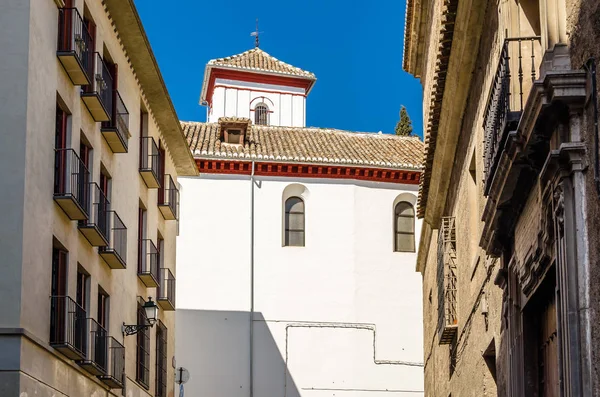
(410,206)
(286,222)
(161,375)
(259,114)
(142,350)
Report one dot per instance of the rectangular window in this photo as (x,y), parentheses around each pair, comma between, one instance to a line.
(142,373)
(161,360)
(105,182)
(82,288)
(102,317)
(141,237)
(59,272)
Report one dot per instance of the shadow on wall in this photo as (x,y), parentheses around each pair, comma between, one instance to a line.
(214,346)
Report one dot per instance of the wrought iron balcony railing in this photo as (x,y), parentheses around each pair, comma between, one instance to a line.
(116,130)
(95,228)
(517,70)
(447,281)
(148,263)
(168,198)
(96,359)
(166,289)
(114,376)
(115,252)
(98,95)
(71,184)
(150,162)
(68,330)
(75,46)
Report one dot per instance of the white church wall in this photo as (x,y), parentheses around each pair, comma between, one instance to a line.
(344,312)
(236,98)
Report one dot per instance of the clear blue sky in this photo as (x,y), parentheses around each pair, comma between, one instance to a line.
(354,48)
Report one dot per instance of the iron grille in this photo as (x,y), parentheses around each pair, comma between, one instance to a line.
(448,319)
(161,360)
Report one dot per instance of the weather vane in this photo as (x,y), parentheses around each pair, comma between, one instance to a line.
(255,34)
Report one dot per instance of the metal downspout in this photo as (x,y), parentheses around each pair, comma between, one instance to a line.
(252,281)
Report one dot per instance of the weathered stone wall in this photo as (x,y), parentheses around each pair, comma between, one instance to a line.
(476,290)
(583,24)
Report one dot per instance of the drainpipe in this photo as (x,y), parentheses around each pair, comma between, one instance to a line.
(252,281)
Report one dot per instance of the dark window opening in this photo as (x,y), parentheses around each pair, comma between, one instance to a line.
(142,373)
(261,114)
(294,222)
(404,227)
(161,360)
(103,299)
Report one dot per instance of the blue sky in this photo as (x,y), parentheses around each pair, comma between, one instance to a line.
(354,48)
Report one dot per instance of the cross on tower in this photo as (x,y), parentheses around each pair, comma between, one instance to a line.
(255,34)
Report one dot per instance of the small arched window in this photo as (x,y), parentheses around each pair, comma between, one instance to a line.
(261,114)
(404,227)
(294,222)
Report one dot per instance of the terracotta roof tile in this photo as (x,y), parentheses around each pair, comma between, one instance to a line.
(308,145)
(258,60)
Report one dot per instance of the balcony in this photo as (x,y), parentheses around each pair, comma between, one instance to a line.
(517,70)
(116,130)
(448,318)
(115,252)
(68,330)
(75,46)
(115,365)
(98,95)
(148,263)
(96,360)
(166,290)
(149,162)
(95,228)
(168,199)
(71,184)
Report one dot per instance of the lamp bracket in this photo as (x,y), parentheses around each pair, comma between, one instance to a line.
(134,328)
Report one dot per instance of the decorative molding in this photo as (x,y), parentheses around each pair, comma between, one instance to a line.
(307,171)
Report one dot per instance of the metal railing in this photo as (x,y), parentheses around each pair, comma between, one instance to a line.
(73,36)
(148,259)
(102,83)
(517,70)
(68,324)
(97,346)
(117,236)
(149,156)
(119,119)
(447,280)
(115,364)
(166,286)
(71,177)
(169,194)
(99,210)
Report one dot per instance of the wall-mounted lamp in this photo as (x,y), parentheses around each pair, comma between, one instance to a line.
(151,311)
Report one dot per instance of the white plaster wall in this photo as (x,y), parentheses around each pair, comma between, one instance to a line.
(344,312)
(238,98)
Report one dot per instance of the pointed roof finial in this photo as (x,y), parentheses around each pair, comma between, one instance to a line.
(255,34)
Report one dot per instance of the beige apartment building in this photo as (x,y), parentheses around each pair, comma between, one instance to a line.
(509,195)
(91,148)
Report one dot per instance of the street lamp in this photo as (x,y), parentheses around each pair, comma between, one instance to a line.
(151,311)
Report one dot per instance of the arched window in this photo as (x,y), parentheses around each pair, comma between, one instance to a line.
(294,222)
(261,114)
(404,227)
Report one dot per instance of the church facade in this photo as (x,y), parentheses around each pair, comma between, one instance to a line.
(304,284)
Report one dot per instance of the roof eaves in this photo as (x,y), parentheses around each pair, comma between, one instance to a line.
(133,37)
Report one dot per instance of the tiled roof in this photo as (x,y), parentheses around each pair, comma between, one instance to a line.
(307,145)
(258,60)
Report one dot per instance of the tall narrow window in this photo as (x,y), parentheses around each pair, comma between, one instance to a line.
(294,222)
(161,360)
(102,308)
(82,288)
(404,227)
(141,237)
(142,373)
(261,114)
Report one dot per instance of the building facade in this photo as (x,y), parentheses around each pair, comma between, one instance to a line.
(91,148)
(509,194)
(304,285)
